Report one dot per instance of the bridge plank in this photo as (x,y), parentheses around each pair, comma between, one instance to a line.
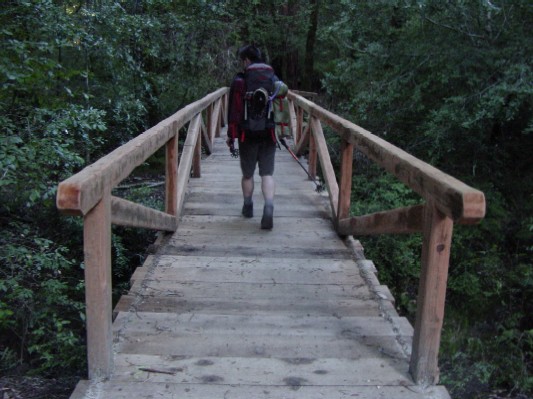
(285,212)
(225,309)
(349,328)
(267,371)
(338,308)
(285,241)
(289,390)
(255,345)
(251,290)
(253,270)
(289,335)
(214,249)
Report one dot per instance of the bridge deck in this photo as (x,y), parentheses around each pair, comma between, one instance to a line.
(224,309)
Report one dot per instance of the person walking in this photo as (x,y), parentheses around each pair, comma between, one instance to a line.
(256,138)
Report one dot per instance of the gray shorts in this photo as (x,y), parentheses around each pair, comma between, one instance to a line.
(257,151)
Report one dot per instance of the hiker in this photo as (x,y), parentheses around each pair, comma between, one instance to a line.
(254,131)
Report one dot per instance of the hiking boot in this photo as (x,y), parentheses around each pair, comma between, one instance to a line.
(267,222)
(248,210)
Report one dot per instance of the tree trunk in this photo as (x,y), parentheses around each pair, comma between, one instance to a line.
(310,47)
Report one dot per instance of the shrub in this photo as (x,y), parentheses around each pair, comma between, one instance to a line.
(41,307)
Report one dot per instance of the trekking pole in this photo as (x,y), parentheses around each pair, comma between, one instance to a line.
(319,187)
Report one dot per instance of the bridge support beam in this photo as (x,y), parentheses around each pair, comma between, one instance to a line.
(436,245)
(97,252)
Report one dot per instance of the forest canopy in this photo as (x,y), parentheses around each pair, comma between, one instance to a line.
(451,82)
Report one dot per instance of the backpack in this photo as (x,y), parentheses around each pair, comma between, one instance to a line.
(282,116)
(258,113)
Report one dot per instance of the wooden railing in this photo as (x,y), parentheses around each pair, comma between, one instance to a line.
(88,194)
(447,201)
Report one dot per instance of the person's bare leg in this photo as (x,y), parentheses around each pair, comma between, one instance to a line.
(247,185)
(268,187)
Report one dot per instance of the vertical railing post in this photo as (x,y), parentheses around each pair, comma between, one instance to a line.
(213,118)
(218,107)
(345,183)
(197,159)
(97,253)
(313,155)
(171,177)
(208,124)
(299,124)
(437,237)
(224,110)
(293,123)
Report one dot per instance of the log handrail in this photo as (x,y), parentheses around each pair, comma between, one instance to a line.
(448,201)
(454,198)
(88,194)
(80,193)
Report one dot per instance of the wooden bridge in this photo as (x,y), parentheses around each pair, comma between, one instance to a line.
(223,309)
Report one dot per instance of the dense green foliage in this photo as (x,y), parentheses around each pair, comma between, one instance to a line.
(78,79)
(449,81)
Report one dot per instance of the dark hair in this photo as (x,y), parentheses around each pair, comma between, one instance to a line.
(251,52)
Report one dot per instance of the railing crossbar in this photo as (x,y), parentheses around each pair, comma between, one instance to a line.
(81,192)
(454,198)
(448,200)
(88,194)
